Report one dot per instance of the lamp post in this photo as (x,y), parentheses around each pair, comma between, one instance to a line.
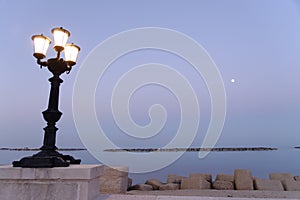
(49,156)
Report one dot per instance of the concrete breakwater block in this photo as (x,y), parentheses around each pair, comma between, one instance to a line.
(169,186)
(281,176)
(114,180)
(74,182)
(291,185)
(155,183)
(172,178)
(225,177)
(243,179)
(143,187)
(270,185)
(207,177)
(223,185)
(195,183)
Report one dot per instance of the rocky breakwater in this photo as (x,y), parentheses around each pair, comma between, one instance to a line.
(192,149)
(242,179)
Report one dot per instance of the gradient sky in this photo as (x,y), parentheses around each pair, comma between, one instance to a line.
(255,42)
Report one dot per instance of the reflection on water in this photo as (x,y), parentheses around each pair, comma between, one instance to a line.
(261,163)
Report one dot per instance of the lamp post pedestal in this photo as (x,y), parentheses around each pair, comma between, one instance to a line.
(74,182)
(48,156)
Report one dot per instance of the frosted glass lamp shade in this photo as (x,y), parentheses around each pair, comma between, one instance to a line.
(71,54)
(41,44)
(60,36)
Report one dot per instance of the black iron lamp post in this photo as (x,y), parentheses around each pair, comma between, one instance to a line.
(49,156)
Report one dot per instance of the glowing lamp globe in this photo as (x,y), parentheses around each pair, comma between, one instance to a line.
(41,44)
(60,36)
(71,54)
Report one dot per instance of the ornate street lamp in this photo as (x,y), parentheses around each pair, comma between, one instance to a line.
(48,156)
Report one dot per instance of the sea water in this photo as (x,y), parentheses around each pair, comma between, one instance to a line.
(261,163)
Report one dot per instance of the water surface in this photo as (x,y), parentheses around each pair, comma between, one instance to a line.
(261,163)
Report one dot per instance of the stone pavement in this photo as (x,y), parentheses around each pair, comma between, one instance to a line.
(150,197)
(203,195)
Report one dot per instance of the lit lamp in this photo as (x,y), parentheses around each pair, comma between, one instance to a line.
(71,54)
(41,44)
(60,36)
(49,156)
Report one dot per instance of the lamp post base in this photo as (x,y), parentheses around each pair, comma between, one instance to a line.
(46,159)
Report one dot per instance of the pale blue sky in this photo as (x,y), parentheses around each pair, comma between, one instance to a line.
(256,42)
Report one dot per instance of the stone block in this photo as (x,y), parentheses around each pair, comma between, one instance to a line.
(195,183)
(114,180)
(225,177)
(169,186)
(291,185)
(297,178)
(154,182)
(207,177)
(270,185)
(243,179)
(143,187)
(281,176)
(74,182)
(115,170)
(172,178)
(223,185)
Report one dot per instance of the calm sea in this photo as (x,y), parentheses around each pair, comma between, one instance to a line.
(261,163)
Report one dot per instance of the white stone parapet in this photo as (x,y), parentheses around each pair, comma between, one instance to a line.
(76,182)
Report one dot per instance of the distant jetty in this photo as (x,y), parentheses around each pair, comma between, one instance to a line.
(37,149)
(193,149)
(218,149)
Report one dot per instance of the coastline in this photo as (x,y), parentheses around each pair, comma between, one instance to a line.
(192,149)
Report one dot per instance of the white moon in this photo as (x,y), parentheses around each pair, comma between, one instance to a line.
(232,80)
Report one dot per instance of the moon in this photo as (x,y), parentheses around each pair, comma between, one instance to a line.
(232,80)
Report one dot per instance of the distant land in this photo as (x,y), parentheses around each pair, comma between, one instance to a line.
(193,149)
(156,149)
